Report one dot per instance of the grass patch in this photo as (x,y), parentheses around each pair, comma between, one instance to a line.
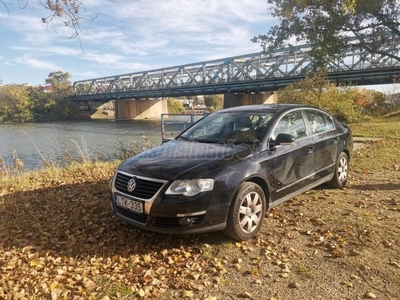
(53,175)
(304,270)
(120,291)
(388,127)
(377,156)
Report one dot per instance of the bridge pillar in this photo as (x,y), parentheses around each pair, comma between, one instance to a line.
(231,100)
(140,109)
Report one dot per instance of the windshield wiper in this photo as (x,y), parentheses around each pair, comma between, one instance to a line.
(185,138)
(207,141)
(250,142)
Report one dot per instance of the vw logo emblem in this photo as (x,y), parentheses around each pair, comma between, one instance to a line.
(131,185)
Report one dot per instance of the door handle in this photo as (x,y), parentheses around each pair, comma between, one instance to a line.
(310,150)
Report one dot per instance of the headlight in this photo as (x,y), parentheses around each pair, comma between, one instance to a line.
(190,187)
(111,182)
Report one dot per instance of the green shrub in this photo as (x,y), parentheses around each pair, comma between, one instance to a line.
(175,107)
(317,91)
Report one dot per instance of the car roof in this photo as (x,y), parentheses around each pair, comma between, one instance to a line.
(261,107)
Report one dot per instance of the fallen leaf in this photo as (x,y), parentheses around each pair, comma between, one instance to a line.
(146,258)
(187,294)
(245,295)
(370,295)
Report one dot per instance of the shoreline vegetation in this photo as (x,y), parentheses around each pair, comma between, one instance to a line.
(12,166)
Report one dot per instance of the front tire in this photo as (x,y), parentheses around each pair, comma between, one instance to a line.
(246,213)
(341,175)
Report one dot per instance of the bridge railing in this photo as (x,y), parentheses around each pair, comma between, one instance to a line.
(285,63)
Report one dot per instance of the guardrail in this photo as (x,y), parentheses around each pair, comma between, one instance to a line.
(174,124)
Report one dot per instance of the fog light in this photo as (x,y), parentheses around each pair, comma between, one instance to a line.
(185,222)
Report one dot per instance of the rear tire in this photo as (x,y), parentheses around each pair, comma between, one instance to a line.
(341,175)
(246,213)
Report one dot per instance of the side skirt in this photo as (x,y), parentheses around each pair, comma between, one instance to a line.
(301,191)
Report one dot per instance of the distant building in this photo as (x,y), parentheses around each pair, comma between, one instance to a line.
(46,88)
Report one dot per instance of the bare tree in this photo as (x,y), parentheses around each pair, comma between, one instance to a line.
(70,13)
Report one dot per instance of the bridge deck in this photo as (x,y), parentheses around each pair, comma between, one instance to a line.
(247,73)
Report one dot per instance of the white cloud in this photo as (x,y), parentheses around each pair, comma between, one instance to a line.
(132,36)
(113,61)
(57,50)
(197,25)
(34,63)
(23,22)
(191,14)
(88,74)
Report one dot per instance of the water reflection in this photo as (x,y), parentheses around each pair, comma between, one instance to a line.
(96,138)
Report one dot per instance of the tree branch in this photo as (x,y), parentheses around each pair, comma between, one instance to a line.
(6,7)
(366,45)
(67,12)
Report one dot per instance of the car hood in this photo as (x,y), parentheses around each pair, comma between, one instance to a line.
(183,159)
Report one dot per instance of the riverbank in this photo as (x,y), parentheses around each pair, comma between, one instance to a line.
(36,144)
(59,239)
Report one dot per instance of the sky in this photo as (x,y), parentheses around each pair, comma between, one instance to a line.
(127,36)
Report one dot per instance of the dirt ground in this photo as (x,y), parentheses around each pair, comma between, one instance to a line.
(59,240)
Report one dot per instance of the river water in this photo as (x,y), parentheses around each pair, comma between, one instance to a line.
(54,141)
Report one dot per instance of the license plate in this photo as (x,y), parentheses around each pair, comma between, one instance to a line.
(130,204)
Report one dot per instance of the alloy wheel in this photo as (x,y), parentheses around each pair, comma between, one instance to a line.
(250,212)
(342,169)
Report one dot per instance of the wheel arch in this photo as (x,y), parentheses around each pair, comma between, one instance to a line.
(257,180)
(347,151)
(261,182)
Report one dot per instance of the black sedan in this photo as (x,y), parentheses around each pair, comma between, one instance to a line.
(226,170)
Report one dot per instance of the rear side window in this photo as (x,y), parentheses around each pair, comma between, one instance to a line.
(319,121)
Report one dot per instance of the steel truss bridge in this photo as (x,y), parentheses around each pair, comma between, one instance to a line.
(250,73)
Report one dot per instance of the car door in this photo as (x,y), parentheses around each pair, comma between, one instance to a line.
(293,165)
(325,139)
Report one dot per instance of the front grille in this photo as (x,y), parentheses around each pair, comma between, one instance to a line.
(173,222)
(141,218)
(145,189)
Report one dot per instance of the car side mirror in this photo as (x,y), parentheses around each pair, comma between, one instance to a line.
(284,139)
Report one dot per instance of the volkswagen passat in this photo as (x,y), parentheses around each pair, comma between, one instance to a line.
(227,169)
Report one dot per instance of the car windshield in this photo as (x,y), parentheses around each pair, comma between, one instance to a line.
(234,127)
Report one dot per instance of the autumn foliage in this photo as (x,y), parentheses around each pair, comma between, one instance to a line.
(346,103)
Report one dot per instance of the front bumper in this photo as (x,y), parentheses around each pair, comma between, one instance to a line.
(177,223)
(170,214)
